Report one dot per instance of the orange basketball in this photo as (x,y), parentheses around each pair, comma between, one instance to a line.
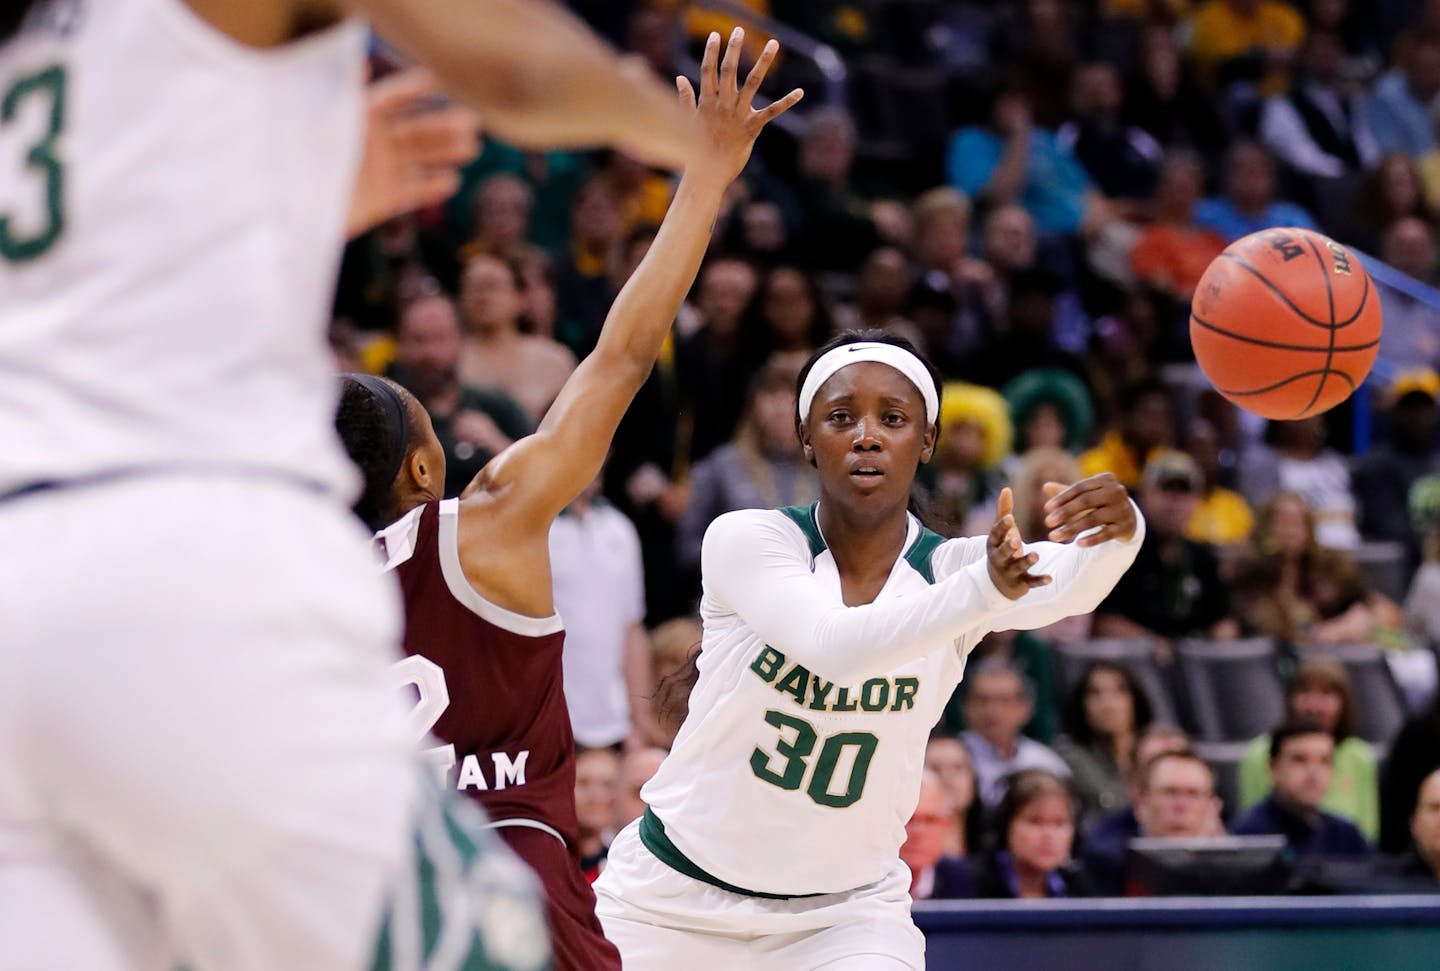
(1285,323)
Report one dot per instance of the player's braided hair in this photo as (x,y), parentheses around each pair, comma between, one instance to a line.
(367,432)
(13,15)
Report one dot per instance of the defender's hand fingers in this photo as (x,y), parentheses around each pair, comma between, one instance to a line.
(756,77)
(730,66)
(709,79)
(687,92)
(397,91)
(1005,505)
(778,108)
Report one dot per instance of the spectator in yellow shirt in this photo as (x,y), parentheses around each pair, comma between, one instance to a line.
(1252,40)
(1147,423)
(1223,517)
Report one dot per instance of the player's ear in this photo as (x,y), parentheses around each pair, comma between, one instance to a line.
(418,469)
(927,448)
(802,433)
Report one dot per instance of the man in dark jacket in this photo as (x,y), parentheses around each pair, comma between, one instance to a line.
(1301,758)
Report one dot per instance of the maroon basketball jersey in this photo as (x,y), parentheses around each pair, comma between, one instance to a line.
(506,717)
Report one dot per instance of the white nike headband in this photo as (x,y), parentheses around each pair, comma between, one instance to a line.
(890,355)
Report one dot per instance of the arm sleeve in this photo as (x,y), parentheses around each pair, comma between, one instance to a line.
(757,566)
(1082,577)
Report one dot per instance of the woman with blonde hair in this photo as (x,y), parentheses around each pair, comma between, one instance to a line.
(965,478)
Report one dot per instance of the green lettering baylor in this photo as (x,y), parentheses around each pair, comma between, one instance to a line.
(817,694)
(905,689)
(819,691)
(767,664)
(875,694)
(794,682)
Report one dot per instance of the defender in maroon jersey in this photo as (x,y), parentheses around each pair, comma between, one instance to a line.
(483,639)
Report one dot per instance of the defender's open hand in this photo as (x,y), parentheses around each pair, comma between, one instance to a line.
(1099,501)
(1009,563)
(728,125)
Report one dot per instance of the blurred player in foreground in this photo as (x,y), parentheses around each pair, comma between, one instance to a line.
(481,628)
(833,636)
(200,760)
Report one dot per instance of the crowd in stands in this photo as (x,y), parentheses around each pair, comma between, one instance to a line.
(1038,235)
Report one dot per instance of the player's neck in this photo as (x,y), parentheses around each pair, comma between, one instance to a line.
(864,543)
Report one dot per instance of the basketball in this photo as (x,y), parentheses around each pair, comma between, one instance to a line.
(1285,323)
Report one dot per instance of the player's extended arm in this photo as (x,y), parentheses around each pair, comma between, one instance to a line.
(1098,532)
(759,567)
(538,476)
(538,76)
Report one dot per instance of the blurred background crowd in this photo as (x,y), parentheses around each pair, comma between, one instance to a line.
(1029,191)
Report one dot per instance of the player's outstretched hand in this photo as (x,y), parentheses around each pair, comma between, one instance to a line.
(1009,563)
(415,144)
(727,121)
(1099,503)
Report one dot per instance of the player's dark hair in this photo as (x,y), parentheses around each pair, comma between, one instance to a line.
(671,700)
(374,426)
(12,16)
(1078,727)
(1294,728)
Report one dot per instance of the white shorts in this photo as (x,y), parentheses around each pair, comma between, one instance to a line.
(202,761)
(661,920)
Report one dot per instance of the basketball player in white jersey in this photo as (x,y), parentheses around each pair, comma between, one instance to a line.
(833,636)
(200,763)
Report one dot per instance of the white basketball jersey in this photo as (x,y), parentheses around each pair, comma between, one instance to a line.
(172,209)
(781,782)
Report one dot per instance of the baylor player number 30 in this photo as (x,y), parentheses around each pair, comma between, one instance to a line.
(32,179)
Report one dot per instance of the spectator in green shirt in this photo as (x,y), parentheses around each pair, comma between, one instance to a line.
(1320,691)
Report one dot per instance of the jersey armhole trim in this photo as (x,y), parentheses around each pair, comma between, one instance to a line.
(921,553)
(461,590)
(804,517)
(526,824)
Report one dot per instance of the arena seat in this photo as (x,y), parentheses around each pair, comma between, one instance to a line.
(1230,690)
(1136,654)
(1224,758)
(1383,563)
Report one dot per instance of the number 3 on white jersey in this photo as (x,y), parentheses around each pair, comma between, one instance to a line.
(429,680)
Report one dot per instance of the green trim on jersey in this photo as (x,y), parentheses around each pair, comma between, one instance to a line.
(804,517)
(918,555)
(652,834)
(922,550)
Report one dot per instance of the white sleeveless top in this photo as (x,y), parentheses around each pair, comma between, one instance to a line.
(172,210)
